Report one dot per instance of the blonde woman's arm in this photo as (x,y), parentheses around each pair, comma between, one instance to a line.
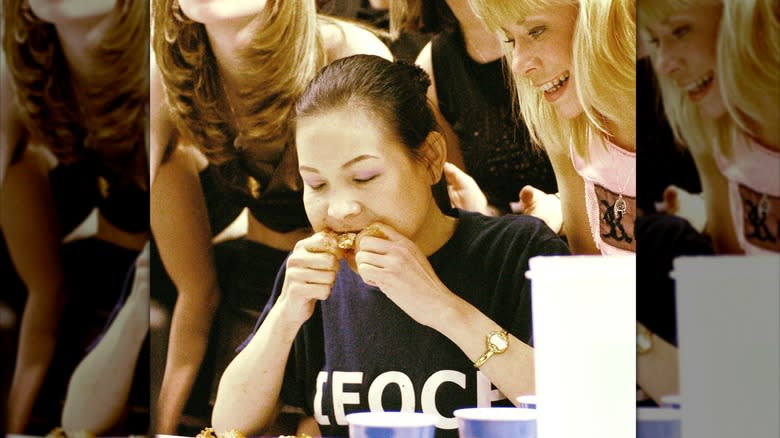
(30,225)
(571,189)
(180,225)
(100,385)
(715,191)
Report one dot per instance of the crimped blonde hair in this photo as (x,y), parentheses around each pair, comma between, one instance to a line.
(604,58)
(284,54)
(118,92)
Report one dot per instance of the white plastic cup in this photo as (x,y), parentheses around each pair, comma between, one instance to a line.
(391,425)
(728,325)
(584,330)
(496,422)
(658,422)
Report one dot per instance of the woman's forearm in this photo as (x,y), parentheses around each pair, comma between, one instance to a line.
(37,342)
(190,326)
(99,387)
(248,395)
(512,371)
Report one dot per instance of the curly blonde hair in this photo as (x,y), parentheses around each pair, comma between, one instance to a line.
(284,54)
(604,46)
(117,95)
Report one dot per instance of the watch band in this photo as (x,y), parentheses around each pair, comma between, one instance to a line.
(496,342)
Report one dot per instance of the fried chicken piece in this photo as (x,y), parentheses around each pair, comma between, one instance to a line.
(327,242)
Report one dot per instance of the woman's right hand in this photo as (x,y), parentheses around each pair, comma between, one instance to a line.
(537,203)
(310,273)
(689,206)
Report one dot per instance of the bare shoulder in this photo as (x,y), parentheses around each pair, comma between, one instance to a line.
(344,39)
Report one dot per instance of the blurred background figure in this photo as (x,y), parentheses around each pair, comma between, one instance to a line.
(227,204)
(75,199)
(472,99)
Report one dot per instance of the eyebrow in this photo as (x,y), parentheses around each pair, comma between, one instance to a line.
(351,162)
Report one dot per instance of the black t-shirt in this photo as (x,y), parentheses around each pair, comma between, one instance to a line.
(361,352)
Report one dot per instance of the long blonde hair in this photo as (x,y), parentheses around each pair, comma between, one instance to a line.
(749,65)
(117,93)
(285,53)
(604,46)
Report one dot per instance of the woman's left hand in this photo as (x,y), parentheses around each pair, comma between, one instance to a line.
(402,272)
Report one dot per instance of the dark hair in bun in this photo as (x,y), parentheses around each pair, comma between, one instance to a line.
(393,92)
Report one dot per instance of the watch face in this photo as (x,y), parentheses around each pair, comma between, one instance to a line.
(498,341)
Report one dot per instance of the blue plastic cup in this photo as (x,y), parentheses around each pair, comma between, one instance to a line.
(496,422)
(526,401)
(671,401)
(658,422)
(391,425)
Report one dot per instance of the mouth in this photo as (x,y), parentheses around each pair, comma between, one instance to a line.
(554,88)
(698,88)
(346,240)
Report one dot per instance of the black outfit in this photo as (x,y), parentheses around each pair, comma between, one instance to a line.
(476,100)
(382,357)
(94,273)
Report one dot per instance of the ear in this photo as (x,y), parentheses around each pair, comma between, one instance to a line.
(434,150)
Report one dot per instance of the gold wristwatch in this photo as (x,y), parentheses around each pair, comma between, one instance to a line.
(497,342)
(644,340)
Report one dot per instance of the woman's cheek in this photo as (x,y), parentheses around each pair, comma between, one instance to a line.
(316,211)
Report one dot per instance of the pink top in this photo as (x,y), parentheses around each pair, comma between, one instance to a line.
(754,194)
(609,175)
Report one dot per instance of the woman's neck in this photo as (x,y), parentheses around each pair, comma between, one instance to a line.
(437,230)
(78,40)
(482,45)
(228,38)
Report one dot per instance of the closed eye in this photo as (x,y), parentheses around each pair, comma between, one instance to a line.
(537,31)
(314,185)
(364,179)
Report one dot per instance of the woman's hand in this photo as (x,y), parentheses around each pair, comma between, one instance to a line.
(537,203)
(688,206)
(464,191)
(398,267)
(311,272)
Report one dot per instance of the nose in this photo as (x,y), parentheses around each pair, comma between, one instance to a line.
(523,61)
(668,62)
(341,209)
